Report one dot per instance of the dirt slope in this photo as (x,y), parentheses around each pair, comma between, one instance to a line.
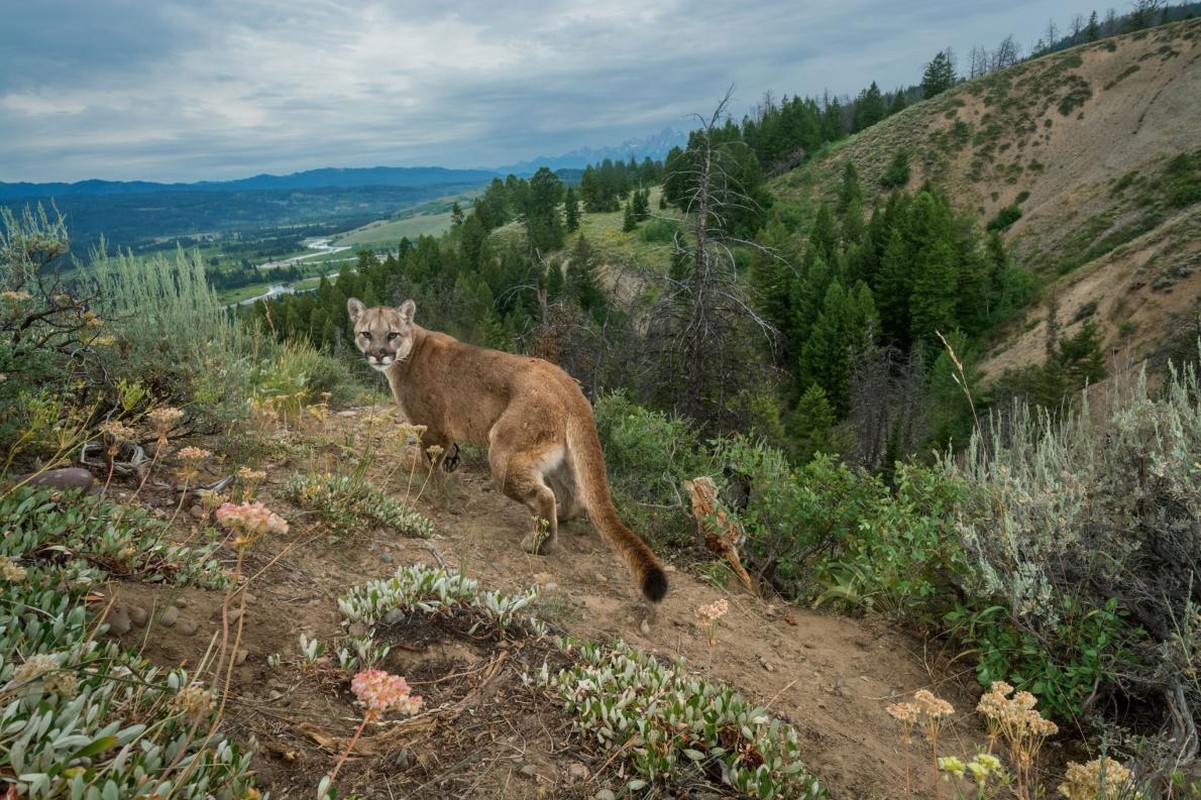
(1083,142)
(486,734)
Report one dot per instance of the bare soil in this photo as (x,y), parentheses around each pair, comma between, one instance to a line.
(483,733)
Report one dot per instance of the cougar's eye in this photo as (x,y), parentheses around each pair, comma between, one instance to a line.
(366,335)
(392,336)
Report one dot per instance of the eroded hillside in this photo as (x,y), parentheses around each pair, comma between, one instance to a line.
(1099,147)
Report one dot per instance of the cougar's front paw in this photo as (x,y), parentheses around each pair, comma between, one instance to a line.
(450,459)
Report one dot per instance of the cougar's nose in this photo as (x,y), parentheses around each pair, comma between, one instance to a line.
(380,353)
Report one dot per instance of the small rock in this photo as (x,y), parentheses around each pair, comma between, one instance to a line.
(386,558)
(645,628)
(118,621)
(577,772)
(68,478)
(403,759)
(348,413)
(180,603)
(198,511)
(169,617)
(138,615)
(250,598)
(235,614)
(604,794)
(186,627)
(392,617)
(241,656)
(767,666)
(529,771)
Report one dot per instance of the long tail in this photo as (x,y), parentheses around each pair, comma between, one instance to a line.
(589,462)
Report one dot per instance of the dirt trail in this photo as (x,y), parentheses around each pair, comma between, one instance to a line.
(831,676)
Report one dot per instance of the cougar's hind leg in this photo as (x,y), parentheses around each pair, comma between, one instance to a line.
(520,477)
(562,481)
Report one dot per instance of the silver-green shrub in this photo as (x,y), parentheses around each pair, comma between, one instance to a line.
(1086,533)
(171,335)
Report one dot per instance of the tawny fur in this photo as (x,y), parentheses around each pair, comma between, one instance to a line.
(543,449)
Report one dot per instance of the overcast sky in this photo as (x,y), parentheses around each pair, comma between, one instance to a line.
(185,90)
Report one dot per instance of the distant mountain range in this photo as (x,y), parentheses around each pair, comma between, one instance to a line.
(327,178)
(655,147)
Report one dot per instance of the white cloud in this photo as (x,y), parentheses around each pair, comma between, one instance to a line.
(184,90)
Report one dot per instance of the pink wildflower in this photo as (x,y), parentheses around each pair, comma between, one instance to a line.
(381,691)
(250,519)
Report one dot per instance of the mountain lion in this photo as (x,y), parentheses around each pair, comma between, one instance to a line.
(536,423)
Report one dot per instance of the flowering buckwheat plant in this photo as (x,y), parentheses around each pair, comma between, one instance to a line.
(926,712)
(163,420)
(1023,729)
(1099,779)
(381,691)
(707,617)
(249,521)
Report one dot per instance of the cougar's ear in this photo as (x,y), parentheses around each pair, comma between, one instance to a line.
(407,309)
(355,306)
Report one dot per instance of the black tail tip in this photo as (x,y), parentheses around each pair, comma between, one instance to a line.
(654,585)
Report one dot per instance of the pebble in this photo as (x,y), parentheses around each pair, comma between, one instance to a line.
(186,627)
(118,621)
(529,771)
(392,617)
(180,603)
(386,558)
(169,617)
(348,413)
(241,656)
(138,615)
(645,628)
(604,794)
(235,614)
(577,772)
(198,512)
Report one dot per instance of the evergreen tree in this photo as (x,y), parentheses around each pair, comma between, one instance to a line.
(571,210)
(811,425)
(629,221)
(869,108)
(939,75)
(844,329)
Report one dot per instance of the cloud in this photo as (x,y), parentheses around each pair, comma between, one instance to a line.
(185,90)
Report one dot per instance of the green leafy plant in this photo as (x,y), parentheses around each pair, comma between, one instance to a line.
(675,727)
(345,502)
(84,719)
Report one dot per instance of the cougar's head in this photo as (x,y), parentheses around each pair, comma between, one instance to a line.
(384,335)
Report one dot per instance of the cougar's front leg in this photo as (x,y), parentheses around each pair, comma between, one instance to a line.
(440,451)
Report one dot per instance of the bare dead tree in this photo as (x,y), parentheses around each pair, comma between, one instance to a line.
(708,325)
(1007,54)
(1052,34)
(979,64)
